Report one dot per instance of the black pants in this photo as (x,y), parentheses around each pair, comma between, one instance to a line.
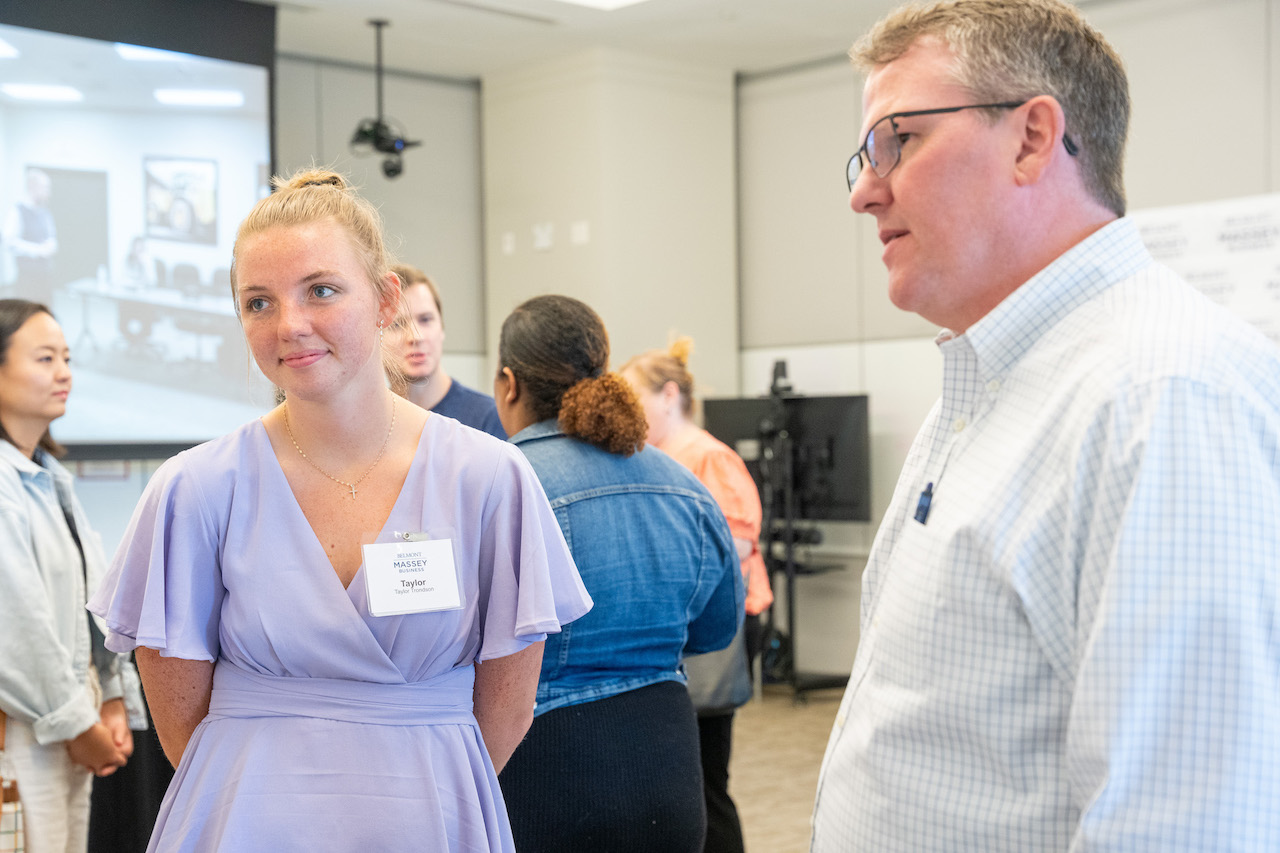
(618,775)
(724,830)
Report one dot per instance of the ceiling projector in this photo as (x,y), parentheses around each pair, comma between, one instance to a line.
(381,137)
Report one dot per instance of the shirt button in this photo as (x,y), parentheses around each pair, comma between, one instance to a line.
(959,425)
(840,719)
(993,386)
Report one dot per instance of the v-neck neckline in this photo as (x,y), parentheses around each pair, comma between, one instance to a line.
(302,516)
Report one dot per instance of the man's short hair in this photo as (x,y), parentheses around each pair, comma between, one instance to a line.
(1010,50)
(412,275)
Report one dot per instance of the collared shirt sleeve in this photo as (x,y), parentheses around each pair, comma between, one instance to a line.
(1173,739)
(38,681)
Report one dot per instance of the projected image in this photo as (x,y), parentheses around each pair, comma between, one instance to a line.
(182,199)
(119,199)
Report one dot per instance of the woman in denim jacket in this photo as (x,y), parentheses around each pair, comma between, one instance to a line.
(62,692)
(612,759)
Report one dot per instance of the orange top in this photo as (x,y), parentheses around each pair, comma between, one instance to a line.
(725,475)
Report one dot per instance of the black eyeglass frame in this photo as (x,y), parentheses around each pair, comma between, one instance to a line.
(851,174)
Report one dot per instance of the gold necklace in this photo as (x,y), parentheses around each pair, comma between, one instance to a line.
(351,486)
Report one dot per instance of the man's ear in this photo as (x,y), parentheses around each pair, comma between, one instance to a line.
(1042,124)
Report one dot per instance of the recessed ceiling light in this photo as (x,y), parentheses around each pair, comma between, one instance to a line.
(7,51)
(200,97)
(605,5)
(138,53)
(42,92)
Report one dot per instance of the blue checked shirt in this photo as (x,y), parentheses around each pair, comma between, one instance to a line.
(1079,650)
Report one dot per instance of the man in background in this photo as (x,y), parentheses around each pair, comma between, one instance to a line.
(32,240)
(1071,613)
(421,341)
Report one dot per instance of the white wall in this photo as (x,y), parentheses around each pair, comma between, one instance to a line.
(610,177)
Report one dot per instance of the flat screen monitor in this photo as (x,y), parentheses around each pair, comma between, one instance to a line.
(127,166)
(830,447)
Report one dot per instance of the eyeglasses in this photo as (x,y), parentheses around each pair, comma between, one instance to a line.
(883,148)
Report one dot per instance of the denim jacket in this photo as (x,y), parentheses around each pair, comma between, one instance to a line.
(654,551)
(44,628)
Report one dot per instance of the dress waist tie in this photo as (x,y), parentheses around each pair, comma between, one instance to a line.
(445,699)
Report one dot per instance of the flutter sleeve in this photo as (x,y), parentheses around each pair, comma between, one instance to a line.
(164,587)
(529,585)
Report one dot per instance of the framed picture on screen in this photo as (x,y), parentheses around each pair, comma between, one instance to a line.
(181,199)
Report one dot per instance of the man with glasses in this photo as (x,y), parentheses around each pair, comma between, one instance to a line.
(1071,614)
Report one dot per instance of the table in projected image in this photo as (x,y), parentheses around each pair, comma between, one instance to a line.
(159,335)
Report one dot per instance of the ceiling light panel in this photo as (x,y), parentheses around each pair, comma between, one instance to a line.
(200,97)
(604,5)
(42,92)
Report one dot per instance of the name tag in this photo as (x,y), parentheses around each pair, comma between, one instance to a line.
(411,577)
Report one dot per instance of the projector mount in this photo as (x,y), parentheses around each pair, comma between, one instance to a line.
(376,133)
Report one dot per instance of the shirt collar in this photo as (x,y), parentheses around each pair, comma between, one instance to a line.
(1003,336)
(42,464)
(542,429)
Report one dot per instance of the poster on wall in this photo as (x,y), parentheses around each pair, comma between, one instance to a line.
(1229,250)
(181,198)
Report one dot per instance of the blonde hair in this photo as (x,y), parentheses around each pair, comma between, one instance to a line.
(318,195)
(655,368)
(1010,50)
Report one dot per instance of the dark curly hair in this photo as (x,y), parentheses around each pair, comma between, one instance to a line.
(558,350)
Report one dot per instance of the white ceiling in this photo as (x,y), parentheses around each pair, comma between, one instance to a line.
(464,39)
(472,38)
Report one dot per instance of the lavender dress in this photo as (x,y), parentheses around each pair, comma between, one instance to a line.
(330,728)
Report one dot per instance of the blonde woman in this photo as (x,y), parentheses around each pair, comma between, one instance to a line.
(339,608)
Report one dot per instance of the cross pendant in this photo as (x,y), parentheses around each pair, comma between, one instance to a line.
(353,491)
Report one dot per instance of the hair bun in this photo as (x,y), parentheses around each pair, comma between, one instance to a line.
(681,348)
(311,178)
(603,410)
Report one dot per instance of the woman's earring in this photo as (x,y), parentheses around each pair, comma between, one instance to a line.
(380,331)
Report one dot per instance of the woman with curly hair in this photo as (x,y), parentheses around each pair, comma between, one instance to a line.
(611,761)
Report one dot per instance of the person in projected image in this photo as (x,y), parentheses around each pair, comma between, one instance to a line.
(139,266)
(339,608)
(66,703)
(31,238)
(720,681)
(427,383)
(1070,634)
(611,761)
